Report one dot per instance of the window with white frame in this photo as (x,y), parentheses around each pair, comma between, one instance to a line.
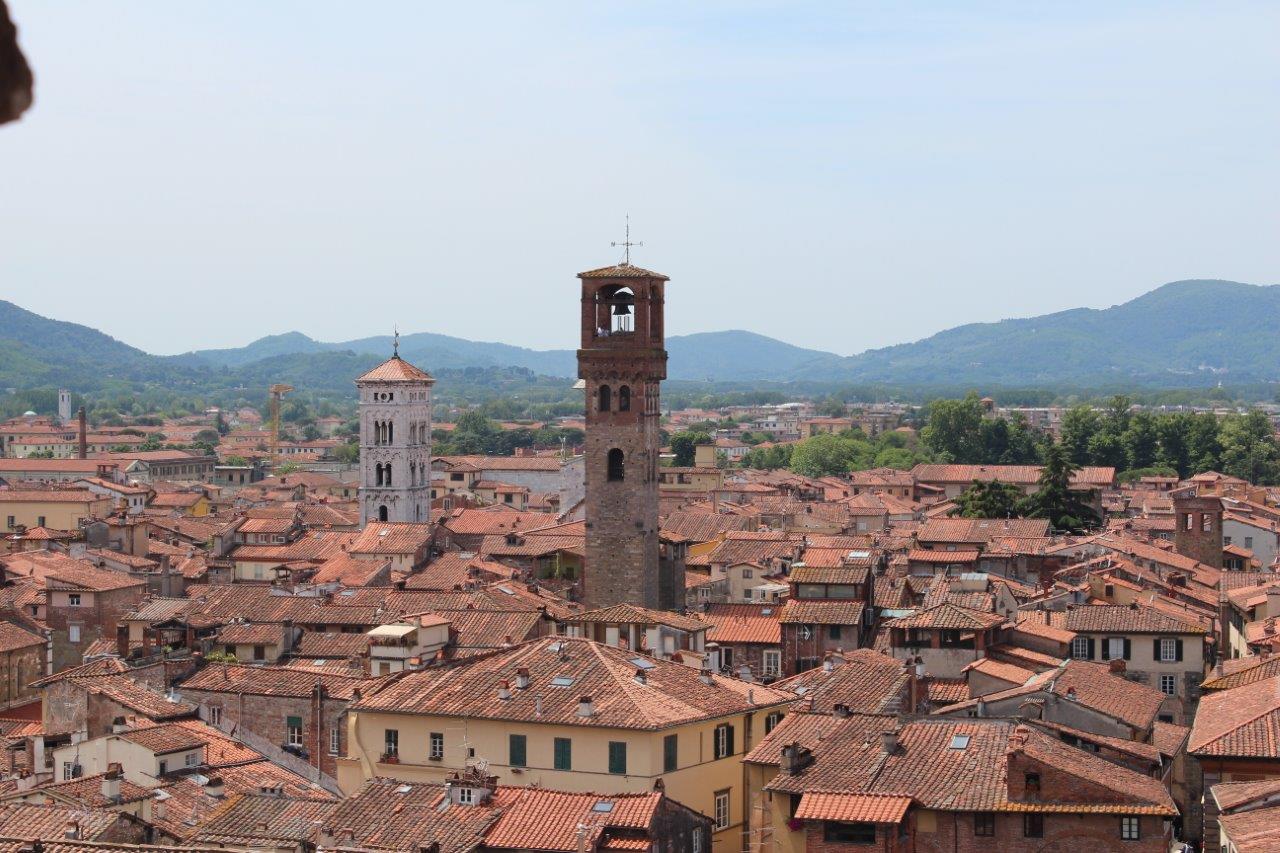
(436,750)
(73,633)
(1168,649)
(215,715)
(335,741)
(772,663)
(1115,648)
(293,731)
(1169,685)
(73,599)
(1080,648)
(1130,828)
(192,759)
(466,796)
(722,810)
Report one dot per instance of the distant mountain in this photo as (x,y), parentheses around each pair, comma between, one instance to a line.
(1188,333)
(707,355)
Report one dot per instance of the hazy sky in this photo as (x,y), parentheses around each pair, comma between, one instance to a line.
(841,175)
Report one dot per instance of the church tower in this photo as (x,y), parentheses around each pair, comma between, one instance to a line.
(622,361)
(395,442)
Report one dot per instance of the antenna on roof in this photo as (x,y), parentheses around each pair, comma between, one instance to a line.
(626,244)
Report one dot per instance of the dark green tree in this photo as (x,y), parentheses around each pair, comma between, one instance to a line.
(1066,508)
(954,433)
(1249,449)
(988,499)
(684,446)
(1079,425)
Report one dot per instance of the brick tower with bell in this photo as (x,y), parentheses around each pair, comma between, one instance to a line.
(622,361)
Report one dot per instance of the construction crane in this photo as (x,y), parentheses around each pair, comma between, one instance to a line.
(277,391)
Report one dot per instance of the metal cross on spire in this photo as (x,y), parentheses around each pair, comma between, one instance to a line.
(395,346)
(626,244)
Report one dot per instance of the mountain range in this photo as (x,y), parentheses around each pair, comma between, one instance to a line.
(1182,334)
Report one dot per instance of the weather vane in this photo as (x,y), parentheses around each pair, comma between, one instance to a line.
(626,244)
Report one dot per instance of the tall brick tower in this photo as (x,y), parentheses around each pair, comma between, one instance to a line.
(621,362)
(1198,532)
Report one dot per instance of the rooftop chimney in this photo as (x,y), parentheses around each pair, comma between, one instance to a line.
(214,786)
(72,830)
(640,677)
(504,690)
(111,782)
(522,677)
(585,707)
(889,742)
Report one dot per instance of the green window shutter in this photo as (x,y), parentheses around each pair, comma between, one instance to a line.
(1128,649)
(1155,650)
(618,757)
(670,753)
(563,753)
(732,748)
(518,751)
(294,722)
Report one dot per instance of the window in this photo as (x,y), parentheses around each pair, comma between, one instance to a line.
(73,633)
(772,660)
(1031,783)
(1115,648)
(617,465)
(67,769)
(215,715)
(771,721)
(466,796)
(164,767)
(1167,649)
(833,632)
(1080,648)
(1169,684)
(624,399)
(851,833)
(1033,825)
(335,741)
(518,751)
(722,809)
(806,632)
(192,759)
(984,824)
(618,757)
(696,841)
(606,396)
(1248,541)
(563,757)
(73,599)
(1130,828)
(435,750)
(12,521)
(391,742)
(259,652)
(40,521)
(746,574)
(293,731)
(723,741)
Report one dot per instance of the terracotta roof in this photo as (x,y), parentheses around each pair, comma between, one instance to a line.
(396,369)
(838,574)
(948,616)
(165,739)
(391,537)
(1242,722)
(1252,831)
(313,644)
(86,791)
(80,575)
(672,693)
(255,821)
(1237,672)
(244,634)
(13,637)
(1020,474)
(864,681)
(32,822)
(634,614)
(1230,795)
(926,555)
(1114,619)
(125,691)
(622,271)
(822,612)
(744,623)
(855,808)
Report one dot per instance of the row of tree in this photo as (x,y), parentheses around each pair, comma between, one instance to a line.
(1114,435)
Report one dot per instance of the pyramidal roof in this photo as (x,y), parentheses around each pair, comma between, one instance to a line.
(622,271)
(396,369)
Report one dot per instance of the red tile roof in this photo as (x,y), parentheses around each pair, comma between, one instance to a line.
(396,369)
(853,808)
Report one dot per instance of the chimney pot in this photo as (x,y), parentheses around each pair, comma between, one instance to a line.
(889,742)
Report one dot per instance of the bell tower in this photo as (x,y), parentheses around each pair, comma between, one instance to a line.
(621,362)
(395,442)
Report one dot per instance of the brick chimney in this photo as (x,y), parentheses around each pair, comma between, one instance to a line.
(83,449)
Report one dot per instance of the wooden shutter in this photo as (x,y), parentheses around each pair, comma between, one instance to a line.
(1106,648)
(1091,649)
(1155,650)
(617,757)
(518,751)
(1177,649)
(1128,649)
(729,741)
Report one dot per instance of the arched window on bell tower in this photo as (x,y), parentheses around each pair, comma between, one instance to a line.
(606,398)
(382,513)
(624,398)
(617,463)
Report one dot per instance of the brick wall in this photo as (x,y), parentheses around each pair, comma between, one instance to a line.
(267,717)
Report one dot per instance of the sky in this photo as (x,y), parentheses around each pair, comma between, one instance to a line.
(841,176)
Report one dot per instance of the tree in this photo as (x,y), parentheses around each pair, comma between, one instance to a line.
(684,444)
(831,407)
(954,430)
(769,458)
(1054,498)
(347,454)
(823,455)
(990,499)
(236,461)
(1249,449)
(1141,441)
(1024,446)
(1079,425)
